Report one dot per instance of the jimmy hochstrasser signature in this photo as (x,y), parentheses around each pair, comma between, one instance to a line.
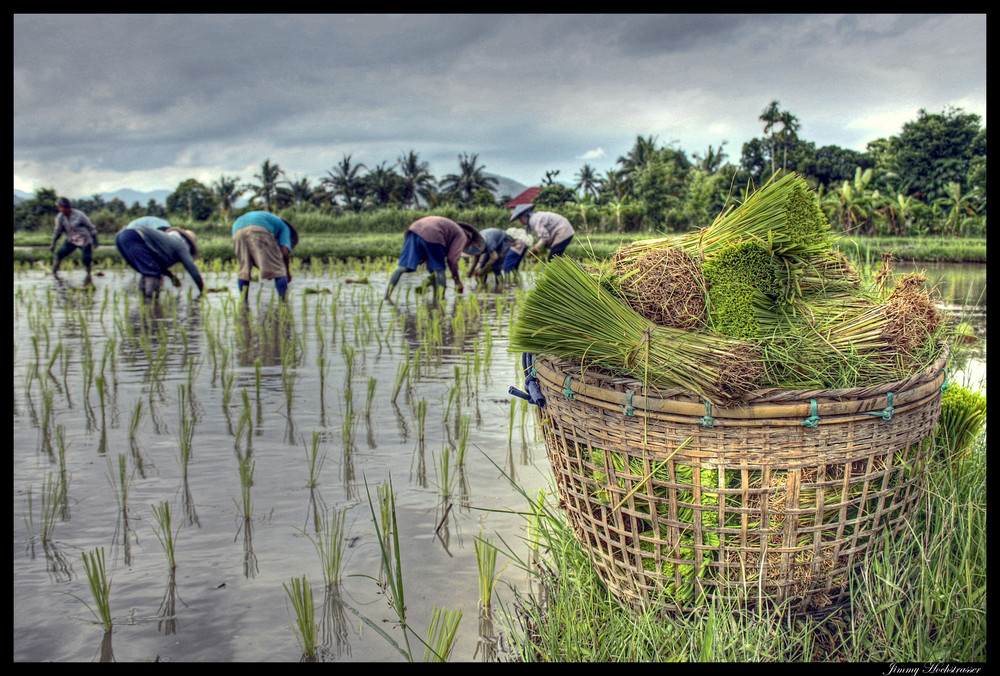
(930,668)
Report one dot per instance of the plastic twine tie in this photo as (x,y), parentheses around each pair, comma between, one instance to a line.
(813,419)
(707,420)
(886,413)
(628,408)
(944,383)
(566,389)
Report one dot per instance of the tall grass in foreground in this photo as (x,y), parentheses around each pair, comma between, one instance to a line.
(921,600)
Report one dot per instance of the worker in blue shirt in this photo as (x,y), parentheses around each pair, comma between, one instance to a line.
(262,240)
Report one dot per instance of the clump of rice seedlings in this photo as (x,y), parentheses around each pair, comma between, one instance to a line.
(329,544)
(348,355)
(421,416)
(186,432)
(315,460)
(100,587)
(486,560)
(304,624)
(163,529)
(463,439)
(246,469)
(402,373)
(120,487)
(441,634)
(445,472)
(52,495)
(370,395)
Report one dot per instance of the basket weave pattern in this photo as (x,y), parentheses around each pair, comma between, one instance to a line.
(781,498)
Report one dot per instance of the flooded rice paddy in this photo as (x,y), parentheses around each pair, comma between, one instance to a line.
(256,428)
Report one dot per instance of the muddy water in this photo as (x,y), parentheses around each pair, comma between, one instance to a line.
(226,600)
(194,361)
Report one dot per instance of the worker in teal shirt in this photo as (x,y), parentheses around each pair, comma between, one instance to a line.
(262,240)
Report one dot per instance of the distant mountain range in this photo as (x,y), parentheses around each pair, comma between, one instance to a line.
(505,186)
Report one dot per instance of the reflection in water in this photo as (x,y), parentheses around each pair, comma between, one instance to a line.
(333,623)
(168,606)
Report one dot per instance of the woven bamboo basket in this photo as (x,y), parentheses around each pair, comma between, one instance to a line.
(780,498)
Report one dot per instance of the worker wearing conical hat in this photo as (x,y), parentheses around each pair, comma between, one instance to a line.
(554,232)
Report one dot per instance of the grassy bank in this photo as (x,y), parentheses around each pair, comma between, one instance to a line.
(215,243)
(923,601)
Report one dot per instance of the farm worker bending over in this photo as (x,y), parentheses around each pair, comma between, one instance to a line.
(80,234)
(437,241)
(149,222)
(151,252)
(520,240)
(264,241)
(554,232)
(494,252)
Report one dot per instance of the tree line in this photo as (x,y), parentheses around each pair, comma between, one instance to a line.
(928,179)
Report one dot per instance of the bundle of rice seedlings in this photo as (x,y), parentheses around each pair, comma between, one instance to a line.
(784,215)
(569,314)
(963,416)
(741,280)
(663,285)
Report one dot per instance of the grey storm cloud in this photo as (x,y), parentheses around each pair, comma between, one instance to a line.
(123,93)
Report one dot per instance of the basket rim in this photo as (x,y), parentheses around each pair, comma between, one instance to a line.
(757,404)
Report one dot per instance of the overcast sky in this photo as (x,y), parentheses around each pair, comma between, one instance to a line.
(103,102)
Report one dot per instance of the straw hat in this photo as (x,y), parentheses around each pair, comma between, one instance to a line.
(521,235)
(521,210)
(192,240)
(476,243)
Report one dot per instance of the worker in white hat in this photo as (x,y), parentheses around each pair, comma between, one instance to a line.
(554,232)
(520,242)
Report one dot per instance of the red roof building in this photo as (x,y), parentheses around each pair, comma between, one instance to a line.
(526,197)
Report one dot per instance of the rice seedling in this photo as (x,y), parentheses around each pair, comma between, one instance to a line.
(100,587)
(441,634)
(486,560)
(402,372)
(370,395)
(164,531)
(315,460)
(464,421)
(421,415)
(329,544)
(304,625)
(186,432)
(246,469)
(445,472)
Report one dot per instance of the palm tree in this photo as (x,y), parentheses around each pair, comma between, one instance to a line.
(712,160)
(299,191)
(642,153)
(613,185)
(268,182)
(771,116)
(382,185)
(226,191)
(587,181)
(469,180)
(416,180)
(344,181)
(959,207)
(789,132)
